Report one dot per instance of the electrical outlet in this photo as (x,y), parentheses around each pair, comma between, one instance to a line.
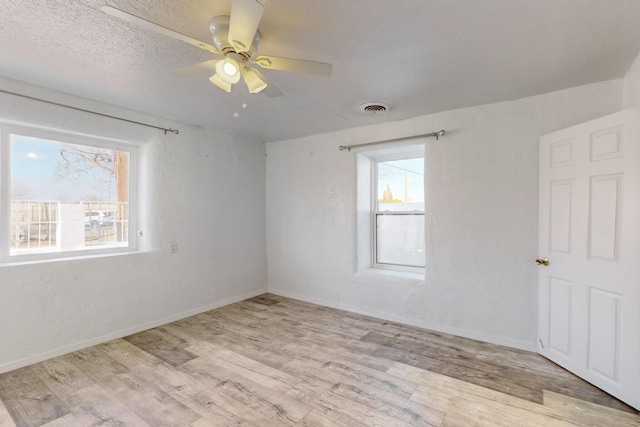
(173,247)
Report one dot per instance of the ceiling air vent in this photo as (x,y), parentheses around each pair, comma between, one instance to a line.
(374,108)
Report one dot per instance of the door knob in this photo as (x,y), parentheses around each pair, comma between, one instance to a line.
(542,261)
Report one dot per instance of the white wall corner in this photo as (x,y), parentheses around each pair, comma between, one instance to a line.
(631,85)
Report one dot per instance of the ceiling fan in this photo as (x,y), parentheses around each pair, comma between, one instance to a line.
(235,39)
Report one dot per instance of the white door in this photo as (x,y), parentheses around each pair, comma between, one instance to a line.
(589,230)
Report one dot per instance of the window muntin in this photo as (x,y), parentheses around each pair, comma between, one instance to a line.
(398,212)
(64,194)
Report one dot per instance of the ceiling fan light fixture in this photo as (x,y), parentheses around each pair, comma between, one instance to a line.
(229,70)
(221,83)
(235,38)
(254,83)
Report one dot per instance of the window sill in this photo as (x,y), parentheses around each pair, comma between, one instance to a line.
(63,257)
(394,274)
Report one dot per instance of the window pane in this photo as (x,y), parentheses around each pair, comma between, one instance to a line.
(401,185)
(67,197)
(400,240)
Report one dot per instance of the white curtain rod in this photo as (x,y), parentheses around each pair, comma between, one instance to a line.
(437,135)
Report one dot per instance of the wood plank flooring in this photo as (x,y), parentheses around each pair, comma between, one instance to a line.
(274,361)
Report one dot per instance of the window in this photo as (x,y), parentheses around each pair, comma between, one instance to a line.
(398,212)
(391,226)
(63,194)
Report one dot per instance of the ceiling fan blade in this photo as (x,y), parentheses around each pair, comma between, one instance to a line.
(271,90)
(206,66)
(294,65)
(245,18)
(217,80)
(143,23)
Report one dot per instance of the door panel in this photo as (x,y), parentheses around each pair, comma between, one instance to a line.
(560,217)
(560,314)
(603,333)
(562,153)
(589,210)
(606,144)
(603,222)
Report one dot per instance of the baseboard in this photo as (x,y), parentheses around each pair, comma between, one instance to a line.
(491,339)
(123,333)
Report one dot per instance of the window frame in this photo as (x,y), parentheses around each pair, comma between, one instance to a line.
(375,160)
(6,130)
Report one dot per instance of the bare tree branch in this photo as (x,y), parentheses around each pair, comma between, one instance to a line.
(82,160)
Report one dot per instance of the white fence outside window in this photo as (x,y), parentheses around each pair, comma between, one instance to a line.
(34,224)
(41,226)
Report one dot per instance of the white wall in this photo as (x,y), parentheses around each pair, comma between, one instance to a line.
(481,280)
(631,88)
(205,190)
(202,189)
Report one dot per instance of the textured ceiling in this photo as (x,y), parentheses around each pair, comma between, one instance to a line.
(418,56)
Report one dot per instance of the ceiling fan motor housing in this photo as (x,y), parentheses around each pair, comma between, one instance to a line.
(219,27)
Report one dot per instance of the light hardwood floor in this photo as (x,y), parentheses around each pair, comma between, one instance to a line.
(274,361)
